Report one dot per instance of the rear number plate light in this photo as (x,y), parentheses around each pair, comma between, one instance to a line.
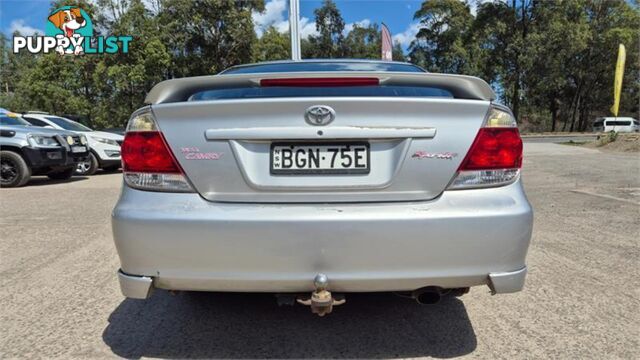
(319,158)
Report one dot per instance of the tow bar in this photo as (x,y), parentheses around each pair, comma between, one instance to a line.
(321,301)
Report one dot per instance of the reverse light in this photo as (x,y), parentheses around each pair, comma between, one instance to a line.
(147,162)
(321,82)
(495,157)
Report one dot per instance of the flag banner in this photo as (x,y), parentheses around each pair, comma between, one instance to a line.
(387,44)
(617,82)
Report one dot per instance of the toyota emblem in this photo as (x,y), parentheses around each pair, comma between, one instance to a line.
(319,115)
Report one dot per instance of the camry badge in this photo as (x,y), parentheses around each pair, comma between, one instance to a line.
(319,115)
(193,153)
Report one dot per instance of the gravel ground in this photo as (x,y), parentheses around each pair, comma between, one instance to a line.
(623,143)
(60,296)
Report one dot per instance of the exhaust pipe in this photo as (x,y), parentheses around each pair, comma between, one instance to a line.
(427,295)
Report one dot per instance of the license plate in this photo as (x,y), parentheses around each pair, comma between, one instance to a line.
(78,149)
(320,158)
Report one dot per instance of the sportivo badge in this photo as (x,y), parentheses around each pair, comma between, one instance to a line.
(427,155)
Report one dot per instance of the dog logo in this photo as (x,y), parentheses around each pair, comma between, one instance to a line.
(69,30)
(319,115)
(69,22)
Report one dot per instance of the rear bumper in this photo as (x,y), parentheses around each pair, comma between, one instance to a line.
(141,287)
(463,238)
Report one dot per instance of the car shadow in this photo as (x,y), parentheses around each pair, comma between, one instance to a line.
(43,180)
(110,172)
(250,326)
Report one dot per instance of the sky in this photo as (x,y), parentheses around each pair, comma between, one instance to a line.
(29,16)
(396,14)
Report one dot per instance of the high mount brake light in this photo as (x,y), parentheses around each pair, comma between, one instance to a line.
(320,82)
(495,157)
(147,161)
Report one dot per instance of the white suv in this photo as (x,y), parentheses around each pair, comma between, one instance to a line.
(105,147)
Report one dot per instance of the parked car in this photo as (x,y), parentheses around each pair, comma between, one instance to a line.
(105,146)
(617,124)
(115,130)
(26,150)
(312,177)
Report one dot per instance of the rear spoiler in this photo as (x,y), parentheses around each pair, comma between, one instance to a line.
(178,90)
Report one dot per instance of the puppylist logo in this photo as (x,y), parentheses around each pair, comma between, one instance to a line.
(69,30)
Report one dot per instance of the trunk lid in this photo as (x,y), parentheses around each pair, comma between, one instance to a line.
(415,127)
(224,146)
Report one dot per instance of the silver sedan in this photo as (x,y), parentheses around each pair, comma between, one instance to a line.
(314,179)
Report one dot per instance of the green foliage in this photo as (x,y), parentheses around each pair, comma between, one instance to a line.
(441,43)
(330,25)
(362,42)
(177,38)
(551,61)
(272,46)
(207,36)
(607,138)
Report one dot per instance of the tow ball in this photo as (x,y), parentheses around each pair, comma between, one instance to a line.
(321,301)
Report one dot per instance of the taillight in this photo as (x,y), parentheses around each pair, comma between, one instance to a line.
(147,162)
(495,157)
(321,82)
(146,151)
(494,148)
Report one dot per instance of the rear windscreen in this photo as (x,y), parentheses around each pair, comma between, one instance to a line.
(276,92)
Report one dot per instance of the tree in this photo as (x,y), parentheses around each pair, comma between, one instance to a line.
(610,23)
(52,85)
(551,61)
(397,52)
(441,43)
(130,76)
(207,36)
(330,26)
(363,42)
(555,45)
(11,66)
(546,58)
(273,45)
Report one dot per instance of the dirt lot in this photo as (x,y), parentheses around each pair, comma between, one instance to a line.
(622,143)
(60,296)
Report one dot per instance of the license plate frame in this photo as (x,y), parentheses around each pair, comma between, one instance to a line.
(331,171)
